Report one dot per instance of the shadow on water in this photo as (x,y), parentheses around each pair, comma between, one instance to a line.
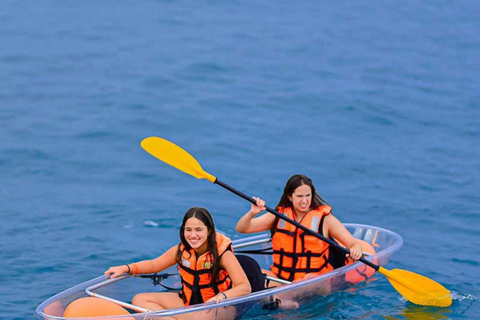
(461,303)
(414,312)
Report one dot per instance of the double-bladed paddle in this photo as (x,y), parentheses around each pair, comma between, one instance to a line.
(414,287)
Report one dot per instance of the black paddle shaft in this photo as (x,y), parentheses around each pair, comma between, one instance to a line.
(295,223)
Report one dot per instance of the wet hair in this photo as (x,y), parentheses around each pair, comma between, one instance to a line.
(203,215)
(292,184)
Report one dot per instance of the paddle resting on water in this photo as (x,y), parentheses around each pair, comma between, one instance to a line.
(414,287)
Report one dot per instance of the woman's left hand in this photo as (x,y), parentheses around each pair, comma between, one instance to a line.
(355,251)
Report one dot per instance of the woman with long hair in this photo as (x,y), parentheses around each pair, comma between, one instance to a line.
(208,268)
(298,254)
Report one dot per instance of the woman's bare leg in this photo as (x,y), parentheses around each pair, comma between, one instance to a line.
(285,303)
(158,300)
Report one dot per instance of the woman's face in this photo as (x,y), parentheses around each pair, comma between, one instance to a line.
(301,199)
(196,234)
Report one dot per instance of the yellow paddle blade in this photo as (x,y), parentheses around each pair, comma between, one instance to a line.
(175,156)
(417,288)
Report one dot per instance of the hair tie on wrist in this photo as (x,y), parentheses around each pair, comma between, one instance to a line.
(128,268)
(224,295)
(135,267)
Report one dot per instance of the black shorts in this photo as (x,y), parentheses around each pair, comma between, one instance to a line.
(255,277)
(253,271)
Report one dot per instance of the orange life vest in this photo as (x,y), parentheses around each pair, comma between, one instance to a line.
(295,252)
(196,273)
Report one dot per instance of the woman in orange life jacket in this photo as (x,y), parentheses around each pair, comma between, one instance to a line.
(298,254)
(206,263)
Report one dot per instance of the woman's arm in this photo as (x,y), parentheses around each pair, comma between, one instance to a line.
(249,224)
(333,227)
(158,264)
(241,285)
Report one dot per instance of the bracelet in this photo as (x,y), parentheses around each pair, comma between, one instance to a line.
(128,268)
(224,295)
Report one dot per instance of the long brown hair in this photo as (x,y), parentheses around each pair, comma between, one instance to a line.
(203,215)
(292,184)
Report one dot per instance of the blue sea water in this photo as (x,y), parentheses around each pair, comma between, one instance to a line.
(377,101)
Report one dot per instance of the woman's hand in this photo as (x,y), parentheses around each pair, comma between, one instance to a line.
(249,223)
(258,208)
(355,251)
(219,297)
(116,271)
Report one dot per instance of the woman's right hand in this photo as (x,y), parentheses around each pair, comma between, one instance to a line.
(258,208)
(251,224)
(116,271)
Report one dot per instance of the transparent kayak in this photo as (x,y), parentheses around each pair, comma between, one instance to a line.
(120,291)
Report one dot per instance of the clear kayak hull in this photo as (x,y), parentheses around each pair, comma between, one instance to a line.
(120,291)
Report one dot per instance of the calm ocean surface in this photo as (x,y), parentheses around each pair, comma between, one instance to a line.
(377,101)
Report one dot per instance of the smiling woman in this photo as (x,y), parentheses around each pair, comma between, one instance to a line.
(206,263)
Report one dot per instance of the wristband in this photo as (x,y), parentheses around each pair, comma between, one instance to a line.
(128,268)
(135,267)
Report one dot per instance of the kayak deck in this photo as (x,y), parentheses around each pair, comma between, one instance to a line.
(121,290)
